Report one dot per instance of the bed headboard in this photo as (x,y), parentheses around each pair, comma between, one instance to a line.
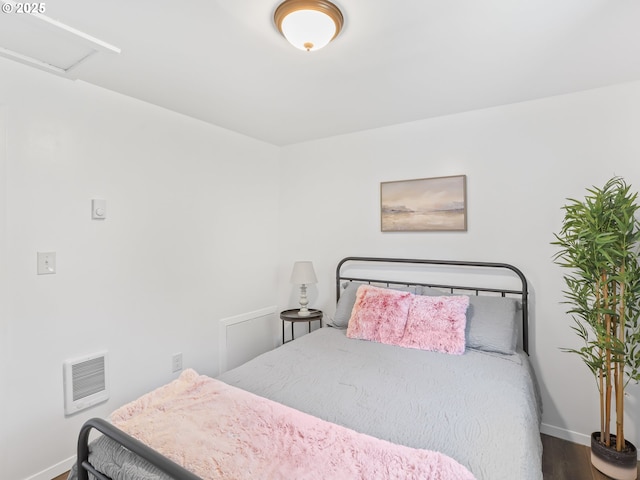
(440,274)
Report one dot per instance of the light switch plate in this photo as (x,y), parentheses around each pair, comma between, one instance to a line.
(46,263)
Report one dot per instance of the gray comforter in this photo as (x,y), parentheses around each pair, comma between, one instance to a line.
(480,408)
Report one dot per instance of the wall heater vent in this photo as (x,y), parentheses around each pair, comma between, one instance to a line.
(85,382)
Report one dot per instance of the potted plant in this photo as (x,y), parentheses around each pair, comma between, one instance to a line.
(599,245)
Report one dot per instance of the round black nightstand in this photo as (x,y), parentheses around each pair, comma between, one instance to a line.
(293,317)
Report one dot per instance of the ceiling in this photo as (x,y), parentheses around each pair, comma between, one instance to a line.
(223,62)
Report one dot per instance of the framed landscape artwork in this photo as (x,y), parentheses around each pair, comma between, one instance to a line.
(426,204)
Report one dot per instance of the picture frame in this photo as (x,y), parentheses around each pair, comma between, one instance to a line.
(424,205)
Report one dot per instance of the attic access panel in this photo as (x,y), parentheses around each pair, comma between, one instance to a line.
(40,41)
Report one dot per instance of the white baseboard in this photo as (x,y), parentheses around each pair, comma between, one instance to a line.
(63,466)
(565,434)
(52,472)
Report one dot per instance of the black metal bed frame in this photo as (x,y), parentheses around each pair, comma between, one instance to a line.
(156,459)
(522,292)
(177,472)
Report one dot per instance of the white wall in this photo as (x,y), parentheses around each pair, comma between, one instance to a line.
(521,162)
(4,333)
(194,211)
(190,238)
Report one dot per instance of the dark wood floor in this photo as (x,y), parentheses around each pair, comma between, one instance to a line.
(561,460)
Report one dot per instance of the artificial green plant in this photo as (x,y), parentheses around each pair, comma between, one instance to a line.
(599,245)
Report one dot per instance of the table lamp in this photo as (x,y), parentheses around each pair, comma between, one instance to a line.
(303,274)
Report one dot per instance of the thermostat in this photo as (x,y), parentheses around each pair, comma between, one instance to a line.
(98,209)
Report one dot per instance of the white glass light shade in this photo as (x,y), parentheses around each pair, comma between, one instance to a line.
(308,29)
(308,24)
(303,274)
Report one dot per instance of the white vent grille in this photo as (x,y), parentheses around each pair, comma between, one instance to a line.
(85,382)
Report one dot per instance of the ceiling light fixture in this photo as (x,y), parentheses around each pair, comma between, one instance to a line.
(308,24)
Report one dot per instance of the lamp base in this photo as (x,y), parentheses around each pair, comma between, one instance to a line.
(303,312)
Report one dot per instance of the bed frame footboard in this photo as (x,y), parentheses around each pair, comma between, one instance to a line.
(156,459)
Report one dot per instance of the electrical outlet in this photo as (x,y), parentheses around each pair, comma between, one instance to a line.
(176,362)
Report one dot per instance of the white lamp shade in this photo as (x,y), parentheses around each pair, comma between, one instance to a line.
(308,29)
(303,273)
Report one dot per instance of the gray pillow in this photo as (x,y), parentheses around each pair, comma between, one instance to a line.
(492,324)
(348,299)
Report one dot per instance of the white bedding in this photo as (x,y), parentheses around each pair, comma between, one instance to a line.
(479,408)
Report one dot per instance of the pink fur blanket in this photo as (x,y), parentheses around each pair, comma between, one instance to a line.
(219,431)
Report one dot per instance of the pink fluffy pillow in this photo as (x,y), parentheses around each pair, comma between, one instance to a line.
(414,321)
(437,324)
(379,314)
